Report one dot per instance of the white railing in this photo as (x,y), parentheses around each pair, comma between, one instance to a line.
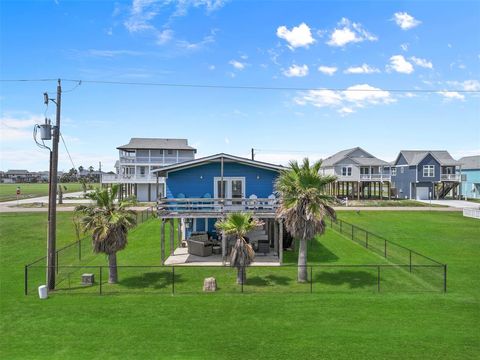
(107,178)
(450,177)
(375,177)
(157,160)
(216,205)
(472,213)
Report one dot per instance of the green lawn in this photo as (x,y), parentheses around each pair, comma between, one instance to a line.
(8,191)
(330,325)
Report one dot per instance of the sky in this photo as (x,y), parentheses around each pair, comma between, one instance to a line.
(335,68)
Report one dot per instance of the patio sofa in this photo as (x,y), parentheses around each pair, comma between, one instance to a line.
(199,245)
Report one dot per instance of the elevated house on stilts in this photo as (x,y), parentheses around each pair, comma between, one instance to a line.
(201,191)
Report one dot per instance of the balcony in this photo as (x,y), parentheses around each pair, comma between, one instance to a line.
(155,160)
(133,178)
(207,207)
(375,177)
(450,177)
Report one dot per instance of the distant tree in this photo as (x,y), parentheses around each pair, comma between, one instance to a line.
(90,168)
(80,169)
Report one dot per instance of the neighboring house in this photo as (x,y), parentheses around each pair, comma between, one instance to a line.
(425,174)
(139,158)
(359,174)
(19,176)
(470,176)
(196,196)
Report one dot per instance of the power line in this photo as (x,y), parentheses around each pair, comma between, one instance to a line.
(241,87)
(68,152)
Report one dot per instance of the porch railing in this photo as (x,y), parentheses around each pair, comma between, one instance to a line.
(450,177)
(216,205)
(375,177)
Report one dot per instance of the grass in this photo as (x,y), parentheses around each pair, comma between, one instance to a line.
(330,325)
(474,200)
(8,191)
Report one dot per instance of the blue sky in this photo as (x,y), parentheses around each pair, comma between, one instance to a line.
(332,47)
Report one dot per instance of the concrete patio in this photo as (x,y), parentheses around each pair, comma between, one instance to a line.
(182,257)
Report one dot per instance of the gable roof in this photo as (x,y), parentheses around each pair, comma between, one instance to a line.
(156,143)
(366,160)
(217,158)
(470,162)
(413,157)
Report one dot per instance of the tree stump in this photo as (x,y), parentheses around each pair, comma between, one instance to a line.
(209,284)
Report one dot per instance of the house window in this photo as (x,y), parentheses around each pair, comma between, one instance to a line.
(428,170)
(402,169)
(394,171)
(347,171)
(170,152)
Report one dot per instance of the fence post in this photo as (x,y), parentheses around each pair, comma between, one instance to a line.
(410,260)
(445,278)
(378,278)
(311,279)
(385,241)
(80,250)
(243,271)
(100,280)
(173,280)
(26,279)
(366,239)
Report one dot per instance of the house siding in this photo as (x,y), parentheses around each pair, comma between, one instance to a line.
(471,185)
(402,181)
(428,160)
(197,181)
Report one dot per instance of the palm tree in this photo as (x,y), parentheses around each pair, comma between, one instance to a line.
(242,255)
(304,204)
(109,222)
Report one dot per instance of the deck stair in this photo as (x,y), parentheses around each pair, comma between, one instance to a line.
(445,188)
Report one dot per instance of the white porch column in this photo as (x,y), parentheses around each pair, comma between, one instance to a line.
(275,236)
(172,237)
(224,247)
(272,234)
(162,241)
(280,242)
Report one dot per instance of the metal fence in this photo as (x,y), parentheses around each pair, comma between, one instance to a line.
(408,271)
(259,279)
(74,254)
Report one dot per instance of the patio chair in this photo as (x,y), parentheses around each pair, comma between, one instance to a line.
(252,202)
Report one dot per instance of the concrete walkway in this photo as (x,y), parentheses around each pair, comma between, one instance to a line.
(395,208)
(459,204)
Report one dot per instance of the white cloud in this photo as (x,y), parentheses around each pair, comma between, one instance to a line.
(349,32)
(405,20)
(399,64)
(422,62)
(227,140)
(211,67)
(16,128)
(164,36)
(404,46)
(346,101)
(192,46)
(237,64)
(363,69)
(299,36)
(296,71)
(452,95)
(112,53)
(467,85)
(327,70)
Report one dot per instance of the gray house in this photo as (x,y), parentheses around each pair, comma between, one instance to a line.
(359,174)
(139,158)
(425,174)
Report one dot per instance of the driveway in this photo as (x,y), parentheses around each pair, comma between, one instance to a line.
(459,204)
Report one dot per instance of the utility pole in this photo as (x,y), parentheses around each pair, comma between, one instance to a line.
(52,196)
(253,154)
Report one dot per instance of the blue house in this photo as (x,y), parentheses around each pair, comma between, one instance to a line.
(201,191)
(425,174)
(470,176)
